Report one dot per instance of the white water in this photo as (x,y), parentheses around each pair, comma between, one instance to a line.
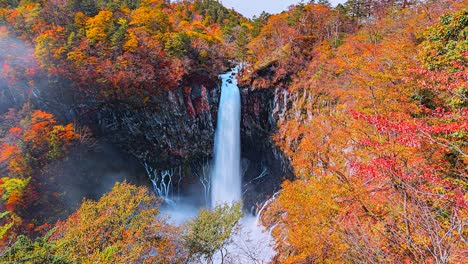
(252,243)
(226,177)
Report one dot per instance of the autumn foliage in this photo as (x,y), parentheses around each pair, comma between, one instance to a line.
(126,50)
(122,227)
(26,151)
(375,124)
(377,138)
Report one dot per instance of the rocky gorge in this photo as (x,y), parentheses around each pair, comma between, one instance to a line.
(173,135)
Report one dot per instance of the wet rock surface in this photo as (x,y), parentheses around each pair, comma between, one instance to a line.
(265,165)
(174,131)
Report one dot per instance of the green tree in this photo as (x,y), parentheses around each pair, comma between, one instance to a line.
(447,42)
(211,231)
(41,250)
(242,41)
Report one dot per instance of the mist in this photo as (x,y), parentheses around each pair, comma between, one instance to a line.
(17,72)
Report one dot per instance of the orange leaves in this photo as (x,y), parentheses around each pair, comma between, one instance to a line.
(46,138)
(41,136)
(12,191)
(25,153)
(272,39)
(13,201)
(66,133)
(7,151)
(369,120)
(307,216)
(39,116)
(41,124)
(125,50)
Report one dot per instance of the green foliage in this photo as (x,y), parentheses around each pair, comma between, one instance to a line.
(296,15)
(4,228)
(357,8)
(242,40)
(12,186)
(425,97)
(41,250)
(258,23)
(460,102)
(447,41)
(88,7)
(118,36)
(8,3)
(177,44)
(217,13)
(211,231)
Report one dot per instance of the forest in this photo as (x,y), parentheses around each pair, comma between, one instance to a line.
(354,130)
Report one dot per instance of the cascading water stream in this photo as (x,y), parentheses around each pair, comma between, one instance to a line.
(226,176)
(251,244)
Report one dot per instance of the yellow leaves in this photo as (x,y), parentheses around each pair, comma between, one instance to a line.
(80,19)
(156,4)
(65,133)
(77,57)
(12,188)
(249,26)
(48,50)
(198,26)
(143,16)
(98,27)
(151,18)
(122,227)
(183,25)
(131,42)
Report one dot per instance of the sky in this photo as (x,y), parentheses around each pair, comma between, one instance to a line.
(250,8)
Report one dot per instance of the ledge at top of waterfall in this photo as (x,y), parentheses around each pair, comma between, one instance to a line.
(226,176)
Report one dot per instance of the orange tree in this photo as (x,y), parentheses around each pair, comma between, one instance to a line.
(377,138)
(125,49)
(26,152)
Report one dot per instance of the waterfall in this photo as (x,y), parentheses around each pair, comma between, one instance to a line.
(226,176)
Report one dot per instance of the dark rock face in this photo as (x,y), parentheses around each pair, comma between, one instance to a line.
(264,164)
(176,128)
(174,132)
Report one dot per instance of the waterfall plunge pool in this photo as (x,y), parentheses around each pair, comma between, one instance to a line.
(251,244)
